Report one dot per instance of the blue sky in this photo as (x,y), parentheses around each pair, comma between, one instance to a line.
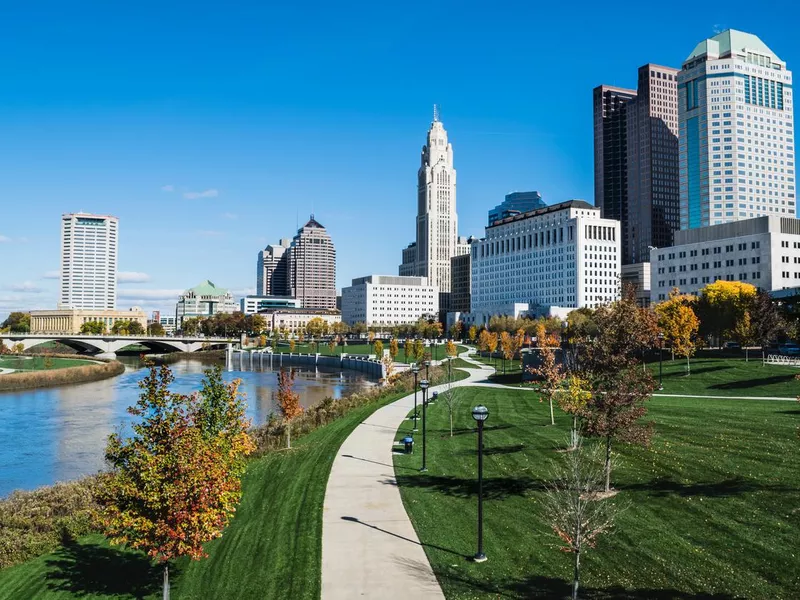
(259,113)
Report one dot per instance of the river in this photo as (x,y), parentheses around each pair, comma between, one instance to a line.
(59,434)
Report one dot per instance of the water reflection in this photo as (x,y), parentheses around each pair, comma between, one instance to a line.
(60,434)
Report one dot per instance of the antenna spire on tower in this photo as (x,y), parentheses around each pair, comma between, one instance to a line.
(435,113)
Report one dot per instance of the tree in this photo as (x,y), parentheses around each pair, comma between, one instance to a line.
(394,348)
(378,349)
(135,328)
(317,327)
(408,350)
(155,329)
(743,332)
(721,304)
(483,341)
(288,401)
(612,366)
(359,328)
(175,484)
(291,346)
(473,334)
(419,350)
(679,324)
(491,343)
(550,371)
(456,329)
(766,320)
(255,324)
(571,506)
(17,322)
(450,348)
(190,326)
(510,345)
(371,337)
(573,401)
(93,328)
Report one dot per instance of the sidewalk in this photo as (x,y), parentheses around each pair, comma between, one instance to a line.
(369,547)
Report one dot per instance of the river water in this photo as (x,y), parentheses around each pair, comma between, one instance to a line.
(58,434)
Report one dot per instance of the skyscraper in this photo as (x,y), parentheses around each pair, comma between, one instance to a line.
(312,266)
(272,270)
(437,220)
(653,197)
(88,261)
(516,203)
(611,155)
(735,116)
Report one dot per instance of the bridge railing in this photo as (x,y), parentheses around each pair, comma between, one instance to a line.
(780,359)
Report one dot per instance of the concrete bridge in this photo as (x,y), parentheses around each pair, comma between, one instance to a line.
(109,345)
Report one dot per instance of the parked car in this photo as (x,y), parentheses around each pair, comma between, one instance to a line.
(789,349)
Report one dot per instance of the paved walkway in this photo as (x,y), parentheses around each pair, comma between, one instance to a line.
(369,547)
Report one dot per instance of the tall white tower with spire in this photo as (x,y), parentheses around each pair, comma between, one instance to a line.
(437,220)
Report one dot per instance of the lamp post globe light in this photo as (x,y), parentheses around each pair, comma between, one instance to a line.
(424,387)
(480,413)
(660,360)
(427,364)
(415,370)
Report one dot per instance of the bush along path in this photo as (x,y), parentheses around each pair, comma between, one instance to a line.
(369,547)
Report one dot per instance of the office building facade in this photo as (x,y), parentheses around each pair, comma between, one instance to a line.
(293,321)
(251,305)
(437,219)
(389,300)
(564,256)
(89,248)
(764,251)
(202,301)
(736,132)
(312,267)
(653,193)
(272,270)
(68,321)
(611,154)
(461,282)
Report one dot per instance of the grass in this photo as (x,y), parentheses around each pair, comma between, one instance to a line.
(40,363)
(727,377)
(713,507)
(306,348)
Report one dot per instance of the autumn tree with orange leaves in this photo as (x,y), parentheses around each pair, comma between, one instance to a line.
(551,372)
(176,482)
(288,401)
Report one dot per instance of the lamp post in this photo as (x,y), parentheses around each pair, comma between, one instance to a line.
(415,370)
(480,413)
(424,387)
(660,360)
(427,364)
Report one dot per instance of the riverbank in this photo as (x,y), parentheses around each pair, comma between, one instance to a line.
(63,375)
(283,493)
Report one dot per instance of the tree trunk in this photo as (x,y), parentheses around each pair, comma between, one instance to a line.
(608,463)
(576,577)
(451,422)
(165,586)
(552,419)
(574,433)
(746,354)
(672,350)
(688,366)
(288,434)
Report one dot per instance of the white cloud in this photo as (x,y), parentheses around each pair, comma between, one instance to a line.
(168,188)
(132,295)
(26,287)
(4,239)
(718,28)
(132,277)
(230,216)
(210,233)
(52,275)
(212,193)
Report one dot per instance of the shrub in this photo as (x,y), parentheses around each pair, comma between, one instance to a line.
(82,374)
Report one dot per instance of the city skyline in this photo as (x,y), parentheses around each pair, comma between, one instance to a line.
(224,187)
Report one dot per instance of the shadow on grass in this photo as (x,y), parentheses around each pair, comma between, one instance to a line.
(719,489)
(551,588)
(697,370)
(494,488)
(466,430)
(87,569)
(752,383)
(790,412)
(499,450)
(375,462)
(401,537)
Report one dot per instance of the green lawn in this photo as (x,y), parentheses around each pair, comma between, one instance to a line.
(272,549)
(39,363)
(364,348)
(713,507)
(728,377)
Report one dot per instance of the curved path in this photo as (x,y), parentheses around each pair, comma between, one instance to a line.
(369,547)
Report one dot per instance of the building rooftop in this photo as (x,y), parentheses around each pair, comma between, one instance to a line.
(300,311)
(207,288)
(543,211)
(732,41)
(312,222)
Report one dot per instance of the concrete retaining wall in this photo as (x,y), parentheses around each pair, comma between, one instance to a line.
(373,368)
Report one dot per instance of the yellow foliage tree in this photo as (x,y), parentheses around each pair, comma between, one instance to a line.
(722,304)
(680,324)
(450,348)
(472,334)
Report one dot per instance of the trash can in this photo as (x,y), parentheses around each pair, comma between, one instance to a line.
(433,398)
(408,444)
